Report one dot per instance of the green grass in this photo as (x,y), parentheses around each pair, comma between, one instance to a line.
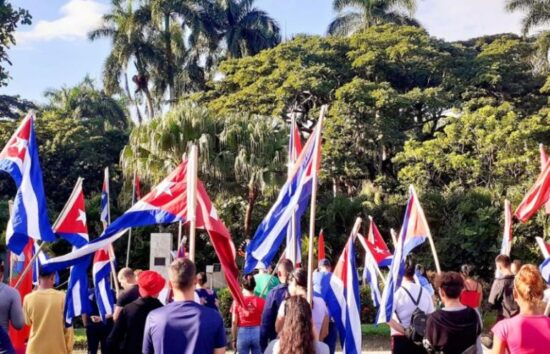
(80,338)
(372,330)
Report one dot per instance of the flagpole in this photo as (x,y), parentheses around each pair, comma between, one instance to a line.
(28,267)
(130,231)
(192,199)
(10,211)
(292,248)
(432,244)
(371,258)
(180,234)
(64,210)
(316,163)
(393,238)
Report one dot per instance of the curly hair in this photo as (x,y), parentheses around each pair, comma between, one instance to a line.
(297,335)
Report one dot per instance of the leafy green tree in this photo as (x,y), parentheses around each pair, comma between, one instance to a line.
(10,18)
(127,29)
(243,29)
(537,12)
(370,13)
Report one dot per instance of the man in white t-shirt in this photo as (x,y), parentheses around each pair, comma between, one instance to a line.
(404,306)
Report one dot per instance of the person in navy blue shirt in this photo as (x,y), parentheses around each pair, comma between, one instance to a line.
(5,343)
(183,326)
(274,299)
(207,296)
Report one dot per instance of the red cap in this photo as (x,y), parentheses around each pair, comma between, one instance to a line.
(150,283)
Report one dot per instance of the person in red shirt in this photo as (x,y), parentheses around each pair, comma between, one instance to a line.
(245,327)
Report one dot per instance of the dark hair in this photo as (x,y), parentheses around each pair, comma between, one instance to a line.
(248,282)
(466,269)
(286,265)
(202,278)
(1,268)
(410,267)
(451,282)
(297,337)
(503,259)
(182,273)
(300,275)
(43,273)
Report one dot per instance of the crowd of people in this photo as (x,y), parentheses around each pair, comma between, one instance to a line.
(276,317)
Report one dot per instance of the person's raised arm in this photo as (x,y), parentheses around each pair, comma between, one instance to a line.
(234,324)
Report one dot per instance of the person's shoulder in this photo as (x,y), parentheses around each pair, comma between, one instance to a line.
(210,314)
(321,348)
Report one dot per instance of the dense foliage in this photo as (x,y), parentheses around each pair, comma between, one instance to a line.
(461,121)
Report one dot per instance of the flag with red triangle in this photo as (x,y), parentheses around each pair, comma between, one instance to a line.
(71,224)
(321,253)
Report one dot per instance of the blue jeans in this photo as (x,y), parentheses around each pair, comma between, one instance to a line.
(248,340)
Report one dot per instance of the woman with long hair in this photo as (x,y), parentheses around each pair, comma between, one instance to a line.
(297,336)
(529,331)
(297,285)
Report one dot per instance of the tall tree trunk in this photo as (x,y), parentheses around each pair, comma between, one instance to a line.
(132,99)
(253,193)
(149,99)
(169,59)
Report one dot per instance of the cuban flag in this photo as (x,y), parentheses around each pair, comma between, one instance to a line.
(20,159)
(543,162)
(343,299)
(39,262)
(71,225)
(507,235)
(545,270)
(293,199)
(544,247)
(101,272)
(105,215)
(370,277)
(293,234)
(376,245)
(166,203)
(413,233)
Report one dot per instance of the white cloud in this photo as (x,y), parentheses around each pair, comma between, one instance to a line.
(78,17)
(464,19)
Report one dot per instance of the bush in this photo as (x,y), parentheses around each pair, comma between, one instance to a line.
(225,300)
(368,311)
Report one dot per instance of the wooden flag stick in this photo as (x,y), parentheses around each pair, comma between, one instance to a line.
(192,168)
(28,267)
(312,207)
(371,258)
(130,231)
(393,238)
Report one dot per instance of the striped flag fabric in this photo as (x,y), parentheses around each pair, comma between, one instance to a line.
(294,232)
(105,213)
(370,277)
(321,244)
(71,225)
(536,197)
(101,272)
(19,159)
(544,247)
(543,162)
(343,299)
(293,199)
(376,245)
(413,233)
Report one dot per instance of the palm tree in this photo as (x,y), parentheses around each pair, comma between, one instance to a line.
(127,29)
(537,12)
(85,102)
(243,29)
(366,13)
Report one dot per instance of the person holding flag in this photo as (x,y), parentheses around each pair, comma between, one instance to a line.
(43,310)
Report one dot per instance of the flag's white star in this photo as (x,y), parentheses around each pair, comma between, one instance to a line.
(378,250)
(81,216)
(164,187)
(20,144)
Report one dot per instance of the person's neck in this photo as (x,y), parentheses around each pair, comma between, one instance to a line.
(452,303)
(409,279)
(185,295)
(247,292)
(44,287)
(528,309)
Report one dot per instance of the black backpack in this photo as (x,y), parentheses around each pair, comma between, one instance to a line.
(416,331)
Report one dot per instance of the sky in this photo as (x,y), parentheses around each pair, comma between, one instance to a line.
(55,51)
